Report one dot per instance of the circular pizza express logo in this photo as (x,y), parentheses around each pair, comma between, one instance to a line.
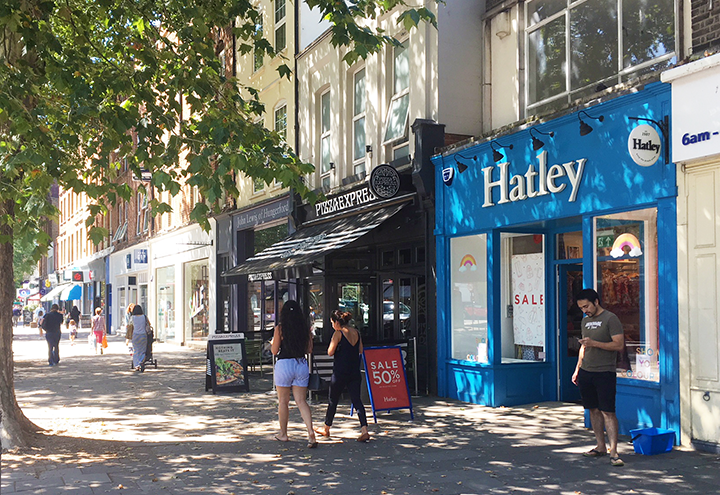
(644,145)
(384,181)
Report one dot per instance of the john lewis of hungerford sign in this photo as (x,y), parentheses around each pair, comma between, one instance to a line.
(532,183)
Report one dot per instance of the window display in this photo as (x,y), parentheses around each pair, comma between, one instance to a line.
(197,300)
(524,326)
(468,258)
(627,283)
(165,287)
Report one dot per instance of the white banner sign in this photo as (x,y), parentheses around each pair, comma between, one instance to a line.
(528,288)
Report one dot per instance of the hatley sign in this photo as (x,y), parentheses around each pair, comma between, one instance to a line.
(644,145)
(533,183)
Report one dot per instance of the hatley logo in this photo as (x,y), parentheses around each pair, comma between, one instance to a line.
(533,183)
(644,145)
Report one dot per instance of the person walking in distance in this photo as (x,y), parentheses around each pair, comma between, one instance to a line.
(595,373)
(139,326)
(291,342)
(346,346)
(99,329)
(75,315)
(51,324)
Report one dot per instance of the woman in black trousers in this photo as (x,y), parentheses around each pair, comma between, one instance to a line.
(346,346)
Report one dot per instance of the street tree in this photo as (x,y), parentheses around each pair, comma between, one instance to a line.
(86,85)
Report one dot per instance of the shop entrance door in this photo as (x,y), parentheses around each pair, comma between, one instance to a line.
(570,283)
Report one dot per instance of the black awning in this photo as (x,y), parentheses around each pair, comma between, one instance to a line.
(293,256)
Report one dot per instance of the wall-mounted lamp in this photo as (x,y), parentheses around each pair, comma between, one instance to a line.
(332,165)
(461,167)
(536,142)
(368,148)
(585,129)
(497,156)
(664,127)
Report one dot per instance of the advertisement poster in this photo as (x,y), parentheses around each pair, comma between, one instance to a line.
(386,379)
(528,289)
(226,364)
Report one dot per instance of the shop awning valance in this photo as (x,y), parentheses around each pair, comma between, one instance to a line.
(294,255)
(54,293)
(71,293)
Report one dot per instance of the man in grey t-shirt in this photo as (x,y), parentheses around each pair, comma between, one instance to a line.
(602,338)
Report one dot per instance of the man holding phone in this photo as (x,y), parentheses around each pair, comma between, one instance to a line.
(595,373)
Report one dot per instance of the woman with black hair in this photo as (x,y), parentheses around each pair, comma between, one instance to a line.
(290,343)
(346,345)
(139,327)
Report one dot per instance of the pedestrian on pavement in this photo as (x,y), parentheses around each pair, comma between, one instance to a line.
(72,327)
(51,323)
(595,373)
(291,342)
(346,346)
(39,319)
(16,314)
(75,315)
(99,329)
(140,327)
(128,331)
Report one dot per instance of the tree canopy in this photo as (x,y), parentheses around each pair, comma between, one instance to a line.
(86,85)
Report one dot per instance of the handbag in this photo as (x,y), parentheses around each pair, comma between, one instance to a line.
(104,342)
(315,382)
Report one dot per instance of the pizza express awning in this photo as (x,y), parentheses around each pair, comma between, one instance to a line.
(294,255)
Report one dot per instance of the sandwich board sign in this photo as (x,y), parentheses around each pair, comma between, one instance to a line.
(226,366)
(386,379)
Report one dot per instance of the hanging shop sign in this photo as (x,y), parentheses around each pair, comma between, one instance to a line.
(533,183)
(644,145)
(140,256)
(384,181)
(226,369)
(262,214)
(386,379)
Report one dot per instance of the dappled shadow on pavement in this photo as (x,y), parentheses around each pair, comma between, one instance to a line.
(160,432)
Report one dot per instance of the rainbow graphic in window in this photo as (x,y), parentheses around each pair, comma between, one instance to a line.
(626,241)
(468,263)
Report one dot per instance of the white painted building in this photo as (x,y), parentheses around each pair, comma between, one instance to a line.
(696,152)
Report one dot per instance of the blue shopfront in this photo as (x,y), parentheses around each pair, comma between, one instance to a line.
(527,219)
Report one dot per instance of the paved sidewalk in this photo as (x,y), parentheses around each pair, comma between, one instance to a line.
(159,432)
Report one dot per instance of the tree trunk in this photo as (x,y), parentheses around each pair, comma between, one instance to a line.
(14,426)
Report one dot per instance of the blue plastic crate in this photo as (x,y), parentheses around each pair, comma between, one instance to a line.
(651,441)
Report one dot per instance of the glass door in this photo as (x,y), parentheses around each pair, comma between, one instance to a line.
(570,283)
(356,298)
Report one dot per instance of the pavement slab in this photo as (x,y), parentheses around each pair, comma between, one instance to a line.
(108,429)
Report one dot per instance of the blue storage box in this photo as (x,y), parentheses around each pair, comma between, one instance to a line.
(651,441)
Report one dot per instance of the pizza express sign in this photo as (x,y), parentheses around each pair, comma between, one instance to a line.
(384,183)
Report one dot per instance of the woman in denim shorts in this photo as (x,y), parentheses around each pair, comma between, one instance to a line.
(291,342)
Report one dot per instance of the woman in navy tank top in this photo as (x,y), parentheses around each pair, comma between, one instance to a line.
(346,346)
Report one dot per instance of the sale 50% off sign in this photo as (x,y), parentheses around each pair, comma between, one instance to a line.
(386,379)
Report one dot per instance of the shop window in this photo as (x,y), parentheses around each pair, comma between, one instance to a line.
(265,238)
(572,47)
(523,337)
(468,276)
(165,294)
(420,254)
(387,259)
(197,300)
(357,262)
(569,246)
(355,299)
(405,256)
(316,308)
(254,307)
(627,282)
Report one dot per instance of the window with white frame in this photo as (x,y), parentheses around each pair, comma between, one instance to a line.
(280,36)
(398,108)
(358,126)
(325,160)
(576,47)
(141,221)
(257,53)
(281,121)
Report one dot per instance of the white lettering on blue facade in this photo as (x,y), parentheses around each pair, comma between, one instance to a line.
(532,184)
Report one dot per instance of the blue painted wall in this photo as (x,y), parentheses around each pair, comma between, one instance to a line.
(610,182)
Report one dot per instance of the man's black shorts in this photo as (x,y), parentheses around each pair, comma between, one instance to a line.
(597,389)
